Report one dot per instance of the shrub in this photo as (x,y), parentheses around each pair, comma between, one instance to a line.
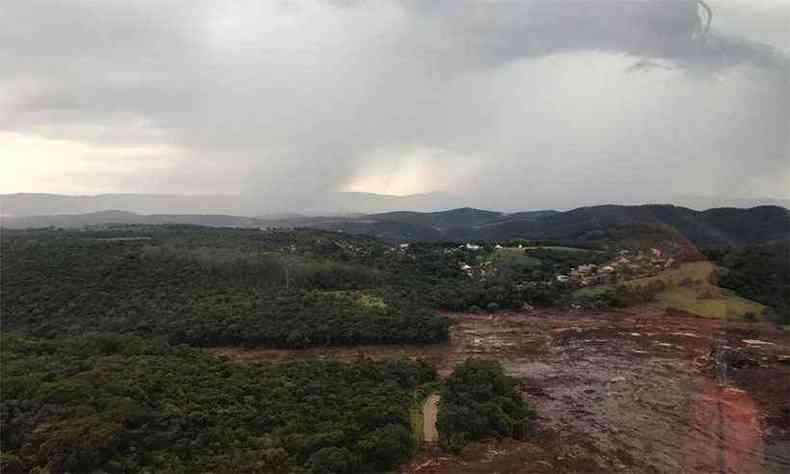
(480,401)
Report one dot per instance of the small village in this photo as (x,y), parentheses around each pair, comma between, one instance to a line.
(628,265)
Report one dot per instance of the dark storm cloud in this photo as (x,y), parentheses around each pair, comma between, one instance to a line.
(512,102)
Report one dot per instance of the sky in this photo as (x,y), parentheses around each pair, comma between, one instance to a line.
(512,104)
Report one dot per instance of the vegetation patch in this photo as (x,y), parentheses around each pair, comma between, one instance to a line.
(696,273)
(373,303)
(591,291)
(761,273)
(696,301)
(479,401)
(208,287)
(515,256)
(690,288)
(126,404)
(557,248)
(211,287)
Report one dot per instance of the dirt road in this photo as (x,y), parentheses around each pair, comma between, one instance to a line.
(635,391)
(429,412)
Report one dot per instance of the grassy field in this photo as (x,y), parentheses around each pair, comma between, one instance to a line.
(689,289)
(695,271)
(726,305)
(555,247)
(517,256)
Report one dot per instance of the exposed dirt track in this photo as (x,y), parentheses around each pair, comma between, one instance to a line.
(429,412)
(635,391)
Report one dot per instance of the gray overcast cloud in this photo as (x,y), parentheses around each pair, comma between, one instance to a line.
(537,103)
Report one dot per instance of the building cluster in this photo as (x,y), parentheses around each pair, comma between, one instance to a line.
(628,264)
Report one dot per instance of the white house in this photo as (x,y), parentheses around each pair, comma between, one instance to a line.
(466,269)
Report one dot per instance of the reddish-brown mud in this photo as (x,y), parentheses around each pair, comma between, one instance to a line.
(638,391)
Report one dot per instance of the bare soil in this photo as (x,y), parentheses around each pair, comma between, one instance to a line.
(429,411)
(638,391)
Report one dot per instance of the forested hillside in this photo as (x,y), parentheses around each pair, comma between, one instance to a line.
(599,225)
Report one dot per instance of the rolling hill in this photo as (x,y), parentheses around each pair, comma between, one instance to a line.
(721,227)
(712,228)
(588,226)
(248,205)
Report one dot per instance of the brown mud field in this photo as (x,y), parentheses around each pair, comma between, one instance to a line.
(637,391)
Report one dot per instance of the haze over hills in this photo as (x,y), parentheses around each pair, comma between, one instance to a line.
(582,226)
(320,204)
(587,225)
(249,205)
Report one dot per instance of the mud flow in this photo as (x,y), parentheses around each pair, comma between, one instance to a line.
(635,391)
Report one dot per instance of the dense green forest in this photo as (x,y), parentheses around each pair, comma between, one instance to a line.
(219,286)
(115,403)
(127,404)
(209,287)
(761,273)
(101,369)
(479,401)
(295,288)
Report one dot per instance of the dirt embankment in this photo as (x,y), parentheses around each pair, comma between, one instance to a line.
(637,391)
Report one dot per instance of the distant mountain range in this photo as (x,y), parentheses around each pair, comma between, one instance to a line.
(586,225)
(319,204)
(248,205)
